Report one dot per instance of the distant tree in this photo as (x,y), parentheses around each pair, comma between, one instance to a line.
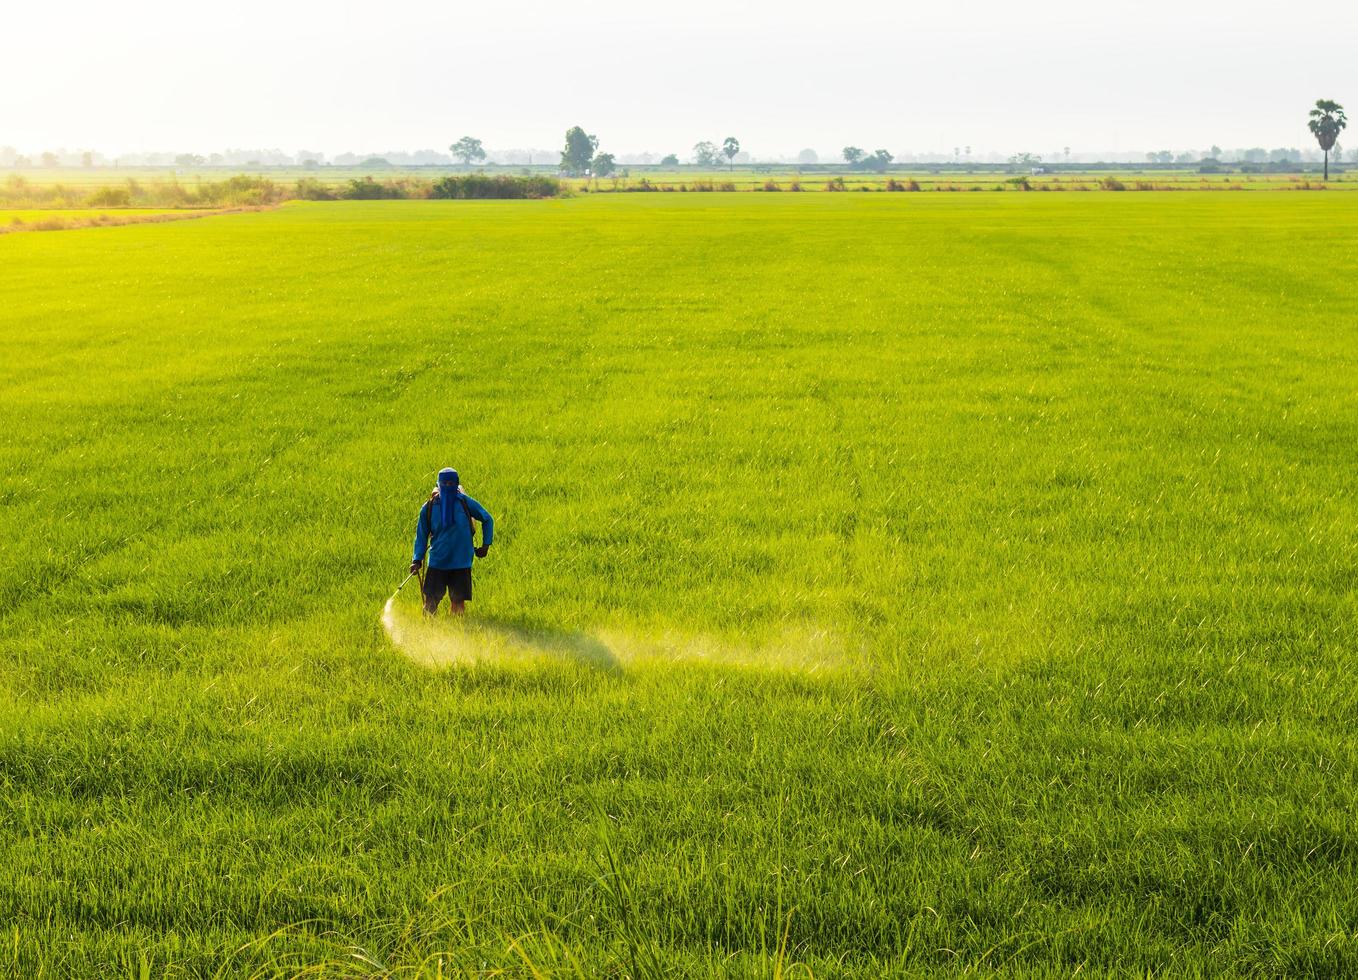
(374,163)
(1020,161)
(1255,154)
(852,154)
(705,154)
(602,165)
(579,151)
(808,156)
(469,150)
(729,148)
(49,159)
(878,160)
(189,160)
(1066,150)
(1326,123)
(670,160)
(87,159)
(1215,152)
(1280,155)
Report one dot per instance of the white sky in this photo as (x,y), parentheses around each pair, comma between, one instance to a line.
(912,77)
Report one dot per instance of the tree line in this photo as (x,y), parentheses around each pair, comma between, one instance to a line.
(581,155)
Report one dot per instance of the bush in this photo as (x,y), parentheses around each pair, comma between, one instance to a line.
(835,184)
(796,185)
(500,187)
(1112,184)
(311,189)
(726,185)
(174,195)
(240,190)
(364,189)
(771,185)
(110,197)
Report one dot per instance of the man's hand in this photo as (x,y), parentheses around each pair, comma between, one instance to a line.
(482,551)
(415,566)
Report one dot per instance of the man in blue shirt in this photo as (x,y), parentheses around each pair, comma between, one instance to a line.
(445,531)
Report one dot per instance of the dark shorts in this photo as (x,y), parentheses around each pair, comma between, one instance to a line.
(455,581)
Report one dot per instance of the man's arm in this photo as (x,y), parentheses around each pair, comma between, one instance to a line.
(487,522)
(421,536)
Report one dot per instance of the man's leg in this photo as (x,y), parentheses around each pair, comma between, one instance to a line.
(433,591)
(459,589)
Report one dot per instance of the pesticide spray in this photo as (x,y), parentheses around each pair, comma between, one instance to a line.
(446,640)
(388,615)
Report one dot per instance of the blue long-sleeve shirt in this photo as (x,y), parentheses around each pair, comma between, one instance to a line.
(451,546)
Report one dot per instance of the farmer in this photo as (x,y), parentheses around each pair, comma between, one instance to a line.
(445,528)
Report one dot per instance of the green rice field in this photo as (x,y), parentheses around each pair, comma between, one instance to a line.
(883,585)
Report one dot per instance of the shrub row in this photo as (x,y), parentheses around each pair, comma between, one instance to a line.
(455,187)
(500,187)
(244,191)
(247,191)
(238,191)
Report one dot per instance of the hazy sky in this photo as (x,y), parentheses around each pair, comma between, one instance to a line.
(911,77)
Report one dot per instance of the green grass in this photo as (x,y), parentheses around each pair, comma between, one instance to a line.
(883,584)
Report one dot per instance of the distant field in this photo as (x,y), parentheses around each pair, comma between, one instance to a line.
(744,178)
(884,585)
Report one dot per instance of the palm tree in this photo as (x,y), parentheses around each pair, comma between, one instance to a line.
(731,147)
(1327,120)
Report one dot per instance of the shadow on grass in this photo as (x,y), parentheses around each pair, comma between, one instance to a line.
(567,645)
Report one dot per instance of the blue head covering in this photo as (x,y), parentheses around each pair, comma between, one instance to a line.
(448,483)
